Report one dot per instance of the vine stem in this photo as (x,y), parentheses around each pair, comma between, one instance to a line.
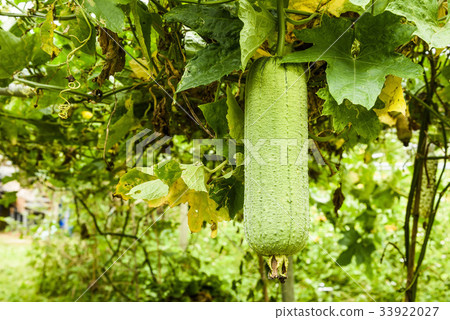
(303,21)
(36,15)
(281,27)
(218,168)
(426,105)
(299,12)
(412,273)
(287,288)
(51,87)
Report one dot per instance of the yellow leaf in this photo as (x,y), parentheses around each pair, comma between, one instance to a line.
(173,198)
(203,208)
(138,70)
(307,5)
(261,53)
(176,193)
(443,9)
(334,7)
(47,31)
(392,96)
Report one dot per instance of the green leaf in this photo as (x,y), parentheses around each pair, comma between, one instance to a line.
(128,181)
(149,190)
(215,114)
(209,65)
(107,13)
(235,117)
(119,129)
(357,65)
(361,3)
(193,43)
(80,30)
(217,59)
(143,23)
(365,122)
(16,53)
(258,24)
(350,237)
(424,13)
(345,258)
(168,171)
(369,6)
(229,191)
(8,198)
(213,22)
(194,177)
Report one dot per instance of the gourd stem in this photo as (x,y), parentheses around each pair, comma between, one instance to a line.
(281,27)
(219,167)
(287,288)
(299,12)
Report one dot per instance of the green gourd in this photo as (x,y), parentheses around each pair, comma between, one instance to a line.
(276,205)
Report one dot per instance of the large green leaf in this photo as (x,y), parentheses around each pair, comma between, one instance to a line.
(168,171)
(194,177)
(424,13)
(217,59)
(364,121)
(228,191)
(209,65)
(107,13)
(80,30)
(143,22)
(235,117)
(130,180)
(258,24)
(215,114)
(369,6)
(213,22)
(149,190)
(17,53)
(358,59)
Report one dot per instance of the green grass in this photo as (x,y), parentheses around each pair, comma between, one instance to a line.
(17,277)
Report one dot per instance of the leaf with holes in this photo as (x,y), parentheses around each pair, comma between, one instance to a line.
(254,18)
(425,14)
(360,59)
(364,121)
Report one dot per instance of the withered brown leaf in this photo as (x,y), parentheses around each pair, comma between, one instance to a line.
(114,54)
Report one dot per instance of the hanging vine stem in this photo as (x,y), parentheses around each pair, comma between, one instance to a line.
(73,83)
(50,87)
(281,27)
(299,12)
(216,169)
(36,15)
(433,210)
(412,208)
(303,21)
(107,128)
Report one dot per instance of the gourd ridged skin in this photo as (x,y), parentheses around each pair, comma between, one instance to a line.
(276,205)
